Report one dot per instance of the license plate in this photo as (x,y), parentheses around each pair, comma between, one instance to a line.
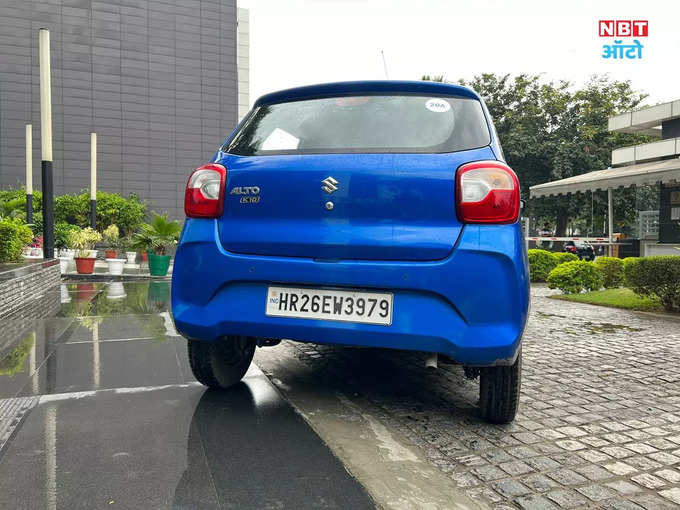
(333,305)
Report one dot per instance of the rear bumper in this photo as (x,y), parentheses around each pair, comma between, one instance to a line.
(471,306)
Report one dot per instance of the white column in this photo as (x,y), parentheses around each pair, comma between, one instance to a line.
(45,96)
(29,159)
(93,166)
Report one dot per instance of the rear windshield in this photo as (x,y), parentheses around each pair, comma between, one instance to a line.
(377,123)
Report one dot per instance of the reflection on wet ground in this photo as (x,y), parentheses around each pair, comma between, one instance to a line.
(120,421)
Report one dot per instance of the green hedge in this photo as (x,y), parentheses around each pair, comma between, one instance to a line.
(655,276)
(562,256)
(61,234)
(14,235)
(541,262)
(573,277)
(611,269)
(112,209)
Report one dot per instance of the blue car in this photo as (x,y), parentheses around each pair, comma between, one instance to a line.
(373,214)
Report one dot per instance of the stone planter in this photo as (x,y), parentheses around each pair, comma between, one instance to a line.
(85,265)
(158,264)
(131,256)
(116,266)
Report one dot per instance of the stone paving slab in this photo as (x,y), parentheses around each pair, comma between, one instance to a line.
(598,425)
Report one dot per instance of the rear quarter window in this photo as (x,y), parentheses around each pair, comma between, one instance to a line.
(375,123)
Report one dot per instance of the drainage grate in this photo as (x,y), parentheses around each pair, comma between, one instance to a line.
(12,411)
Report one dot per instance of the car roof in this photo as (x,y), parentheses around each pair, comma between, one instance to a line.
(430,88)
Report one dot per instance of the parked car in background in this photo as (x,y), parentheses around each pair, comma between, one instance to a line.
(376,214)
(582,249)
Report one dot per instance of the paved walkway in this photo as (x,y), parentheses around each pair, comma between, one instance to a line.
(599,422)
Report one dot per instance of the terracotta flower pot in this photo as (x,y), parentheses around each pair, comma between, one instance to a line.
(145,257)
(85,265)
(111,254)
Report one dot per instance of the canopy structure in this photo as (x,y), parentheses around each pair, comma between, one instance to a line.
(612,178)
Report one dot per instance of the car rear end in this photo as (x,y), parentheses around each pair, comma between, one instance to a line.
(374,214)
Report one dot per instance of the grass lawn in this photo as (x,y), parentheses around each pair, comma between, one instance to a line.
(616,298)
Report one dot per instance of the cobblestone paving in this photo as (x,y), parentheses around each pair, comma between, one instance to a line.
(599,422)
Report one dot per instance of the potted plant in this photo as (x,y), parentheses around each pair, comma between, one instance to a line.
(128,245)
(61,243)
(83,241)
(156,239)
(112,239)
(111,236)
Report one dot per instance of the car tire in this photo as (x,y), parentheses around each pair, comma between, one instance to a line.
(499,389)
(221,363)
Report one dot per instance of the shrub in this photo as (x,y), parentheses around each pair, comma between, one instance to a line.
(541,262)
(655,276)
(562,256)
(61,234)
(573,277)
(73,209)
(83,240)
(112,209)
(14,235)
(127,213)
(158,236)
(111,235)
(611,269)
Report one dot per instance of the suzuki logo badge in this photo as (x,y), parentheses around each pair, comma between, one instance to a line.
(329,185)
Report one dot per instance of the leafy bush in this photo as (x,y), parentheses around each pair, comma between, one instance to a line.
(573,277)
(541,262)
(127,213)
(110,235)
(562,256)
(83,240)
(73,209)
(611,269)
(14,235)
(61,234)
(112,209)
(655,276)
(158,236)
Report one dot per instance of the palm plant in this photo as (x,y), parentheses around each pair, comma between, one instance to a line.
(159,235)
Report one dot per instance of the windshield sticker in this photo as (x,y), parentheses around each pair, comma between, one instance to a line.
(438,105)
(280,140)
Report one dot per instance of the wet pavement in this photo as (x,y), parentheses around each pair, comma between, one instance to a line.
(100,410)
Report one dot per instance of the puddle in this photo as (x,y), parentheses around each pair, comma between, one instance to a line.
(607,327)
(544,315)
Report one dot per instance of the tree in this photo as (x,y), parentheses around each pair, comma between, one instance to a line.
(551,130)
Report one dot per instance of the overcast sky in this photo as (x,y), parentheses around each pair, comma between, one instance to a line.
(299,42)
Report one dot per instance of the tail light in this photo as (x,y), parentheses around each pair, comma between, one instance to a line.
(204,196)
(487,192)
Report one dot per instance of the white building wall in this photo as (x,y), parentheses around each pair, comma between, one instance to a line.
(243,60)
